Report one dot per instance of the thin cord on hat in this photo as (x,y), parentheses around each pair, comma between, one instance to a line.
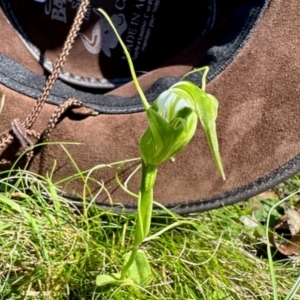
(22,131)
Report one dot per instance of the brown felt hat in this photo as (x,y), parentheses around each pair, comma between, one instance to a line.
(252,49)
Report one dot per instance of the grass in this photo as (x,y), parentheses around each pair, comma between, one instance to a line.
(50,250)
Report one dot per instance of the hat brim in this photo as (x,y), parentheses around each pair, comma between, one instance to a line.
(257,123)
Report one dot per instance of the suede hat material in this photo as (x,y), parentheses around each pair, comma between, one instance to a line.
(252,50)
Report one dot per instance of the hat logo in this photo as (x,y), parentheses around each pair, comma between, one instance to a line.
(58,11)
(102,36)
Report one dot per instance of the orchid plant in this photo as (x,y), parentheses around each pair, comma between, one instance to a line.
(172,122)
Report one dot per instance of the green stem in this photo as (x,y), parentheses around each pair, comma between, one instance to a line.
(136,83)
(203,79)
(144,212)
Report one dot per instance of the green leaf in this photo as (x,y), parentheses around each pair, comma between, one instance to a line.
(105,279)
(140,270)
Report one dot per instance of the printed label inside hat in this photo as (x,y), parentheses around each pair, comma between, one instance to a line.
(153,31)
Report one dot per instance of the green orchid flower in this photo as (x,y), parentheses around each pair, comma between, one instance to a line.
(170,130)
(172,123)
